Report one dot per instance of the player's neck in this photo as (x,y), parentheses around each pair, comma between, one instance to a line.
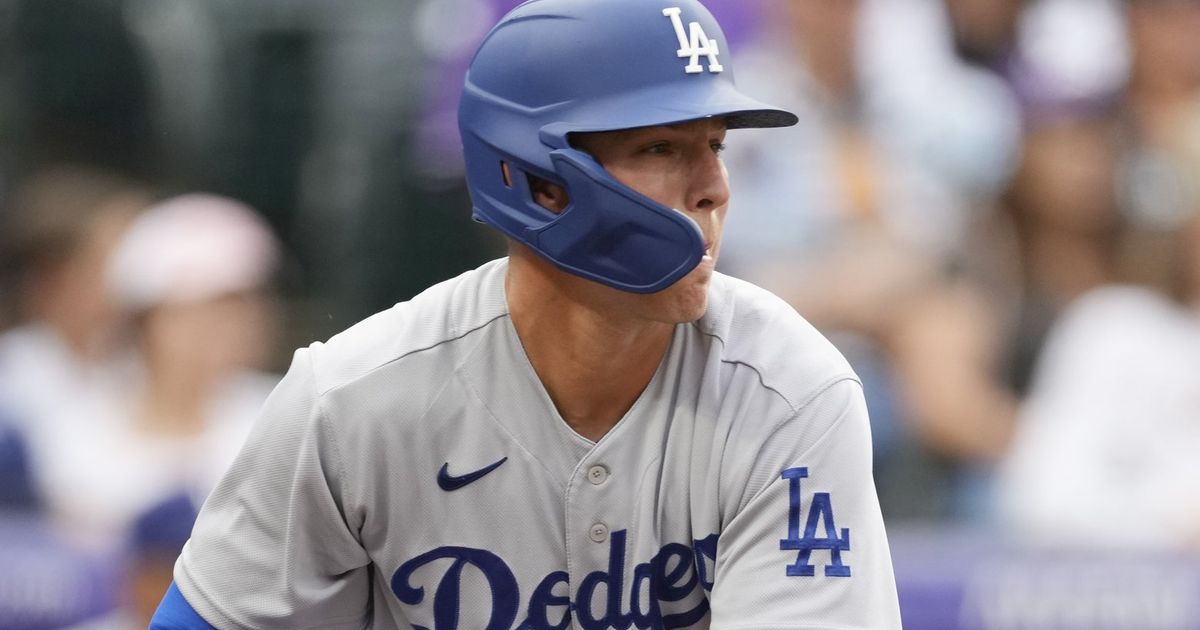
(594,361)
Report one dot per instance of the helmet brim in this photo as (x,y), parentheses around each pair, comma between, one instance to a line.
(667,105)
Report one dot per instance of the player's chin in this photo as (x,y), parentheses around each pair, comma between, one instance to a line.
(689,296)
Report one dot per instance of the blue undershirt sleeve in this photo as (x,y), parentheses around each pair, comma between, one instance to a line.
(175,613)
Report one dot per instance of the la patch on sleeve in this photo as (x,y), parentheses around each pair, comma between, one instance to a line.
(820,511)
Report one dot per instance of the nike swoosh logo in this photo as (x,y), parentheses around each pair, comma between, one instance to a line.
(449,483)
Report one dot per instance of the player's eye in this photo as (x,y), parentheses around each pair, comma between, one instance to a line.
(717,147)
(658,148)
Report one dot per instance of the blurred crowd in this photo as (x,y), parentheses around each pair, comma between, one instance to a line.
(133,370)
(991,206)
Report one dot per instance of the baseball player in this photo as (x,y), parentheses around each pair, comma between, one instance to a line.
(598,431)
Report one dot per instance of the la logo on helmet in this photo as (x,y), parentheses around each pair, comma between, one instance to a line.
(699,45)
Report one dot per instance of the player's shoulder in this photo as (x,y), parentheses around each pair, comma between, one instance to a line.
(756,329)
(430,328)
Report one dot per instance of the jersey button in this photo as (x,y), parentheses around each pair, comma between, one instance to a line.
(597,475)
(598,532)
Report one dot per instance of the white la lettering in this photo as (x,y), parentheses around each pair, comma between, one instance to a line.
(697,46)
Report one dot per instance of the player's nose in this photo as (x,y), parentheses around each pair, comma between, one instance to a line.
(708,188)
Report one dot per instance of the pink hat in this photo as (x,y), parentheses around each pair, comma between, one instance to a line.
(192,247)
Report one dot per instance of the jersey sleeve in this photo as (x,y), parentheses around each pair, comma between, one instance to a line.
(273,546)
(808,550)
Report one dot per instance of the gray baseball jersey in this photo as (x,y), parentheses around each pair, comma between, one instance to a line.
(412,472)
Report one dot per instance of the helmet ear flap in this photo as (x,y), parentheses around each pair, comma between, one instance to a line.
(502,192)
(613,234)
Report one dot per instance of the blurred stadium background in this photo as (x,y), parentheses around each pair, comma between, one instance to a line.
(991,206)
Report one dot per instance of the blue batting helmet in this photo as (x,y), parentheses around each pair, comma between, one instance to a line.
(551,68)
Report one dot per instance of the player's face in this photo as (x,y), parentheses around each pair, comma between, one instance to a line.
(680,167)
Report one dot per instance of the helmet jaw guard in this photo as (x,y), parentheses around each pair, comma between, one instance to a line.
(556,67)
(614,235)
(608,232)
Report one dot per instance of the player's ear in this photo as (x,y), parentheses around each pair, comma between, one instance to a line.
(548,195)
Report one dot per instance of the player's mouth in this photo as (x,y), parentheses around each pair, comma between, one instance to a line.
(708,250)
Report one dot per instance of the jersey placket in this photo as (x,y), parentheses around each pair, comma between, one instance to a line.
(597,522)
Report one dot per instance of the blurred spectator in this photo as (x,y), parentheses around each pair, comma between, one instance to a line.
(1065,212)
(1105,450)
(964,349)
(194,274)
(1104,454)
(60,229)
